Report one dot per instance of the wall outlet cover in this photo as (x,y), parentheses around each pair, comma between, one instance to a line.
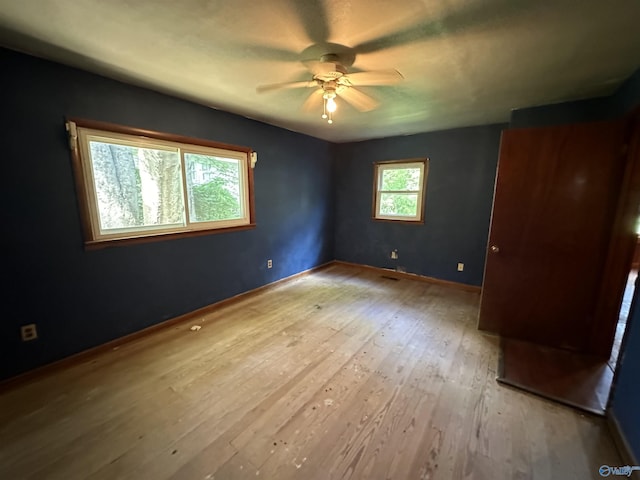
(29,332)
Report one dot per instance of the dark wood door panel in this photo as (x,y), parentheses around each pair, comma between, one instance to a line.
(555,199)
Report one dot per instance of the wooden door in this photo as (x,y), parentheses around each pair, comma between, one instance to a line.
(556,195)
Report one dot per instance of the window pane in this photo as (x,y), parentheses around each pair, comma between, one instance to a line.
(401,179)
(213,188)
(399,204)
(136,187)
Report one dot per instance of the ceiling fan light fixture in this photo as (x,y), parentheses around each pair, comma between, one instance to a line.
(329,105)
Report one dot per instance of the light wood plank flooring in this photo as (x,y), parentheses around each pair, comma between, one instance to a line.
(335,375)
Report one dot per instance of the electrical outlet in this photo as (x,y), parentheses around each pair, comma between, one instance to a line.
(394,254)
(29,332)
(269,263)
(460,267)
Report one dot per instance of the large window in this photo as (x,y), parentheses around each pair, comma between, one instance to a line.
(399,190)
(138,184)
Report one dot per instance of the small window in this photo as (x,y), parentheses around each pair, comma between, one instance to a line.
(399,190)
(136,185)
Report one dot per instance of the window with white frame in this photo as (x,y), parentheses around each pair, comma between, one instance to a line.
(399,188)
(138,184)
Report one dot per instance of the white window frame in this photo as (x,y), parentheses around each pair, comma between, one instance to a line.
(81,132)
(380,168)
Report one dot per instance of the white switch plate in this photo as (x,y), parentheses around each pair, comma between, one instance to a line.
(460,267)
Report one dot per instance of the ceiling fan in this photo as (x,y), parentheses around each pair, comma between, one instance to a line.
(331,80)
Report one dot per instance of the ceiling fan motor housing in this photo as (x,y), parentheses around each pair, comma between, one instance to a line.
(331,68)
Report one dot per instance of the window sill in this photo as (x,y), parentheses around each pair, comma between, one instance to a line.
(389,220)
(119,242)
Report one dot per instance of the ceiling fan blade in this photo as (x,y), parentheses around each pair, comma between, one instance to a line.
(415,33)
(313,19)
(475,15)
(285,85)
(265,52)
(313,101)
(359,100)
(375,77)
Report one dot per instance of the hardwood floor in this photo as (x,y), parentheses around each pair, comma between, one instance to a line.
(339,374)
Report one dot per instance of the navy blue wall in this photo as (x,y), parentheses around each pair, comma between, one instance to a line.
(590,110)
(80,298)
(459,195)
(626,393)
(627,97)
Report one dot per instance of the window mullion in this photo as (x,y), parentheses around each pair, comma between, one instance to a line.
(185,194)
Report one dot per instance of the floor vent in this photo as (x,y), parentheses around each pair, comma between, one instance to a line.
(390,278)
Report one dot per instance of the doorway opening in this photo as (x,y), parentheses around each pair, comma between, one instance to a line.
(626,304)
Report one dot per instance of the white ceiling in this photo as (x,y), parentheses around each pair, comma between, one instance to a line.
(464,62)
